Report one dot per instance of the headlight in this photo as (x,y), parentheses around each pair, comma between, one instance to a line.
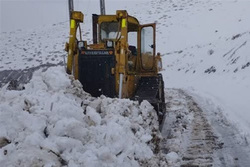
(109,44)
(80,45)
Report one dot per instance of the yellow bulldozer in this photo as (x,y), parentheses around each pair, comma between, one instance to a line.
(122,61)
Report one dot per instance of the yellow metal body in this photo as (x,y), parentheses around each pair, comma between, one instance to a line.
(131,67)
(71,47)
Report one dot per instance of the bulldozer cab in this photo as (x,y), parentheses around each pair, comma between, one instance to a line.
(114,31)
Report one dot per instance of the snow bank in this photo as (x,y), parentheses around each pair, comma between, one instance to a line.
(53,122)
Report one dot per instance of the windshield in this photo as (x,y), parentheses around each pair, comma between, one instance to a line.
(109,30)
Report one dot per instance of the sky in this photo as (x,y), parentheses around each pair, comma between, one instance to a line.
(29,14)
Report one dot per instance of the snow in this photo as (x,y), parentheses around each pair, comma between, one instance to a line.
(172,157)
(53,122)
(205,48)
(196,133)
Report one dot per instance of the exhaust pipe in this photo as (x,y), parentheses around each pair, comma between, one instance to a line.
(102,7)
(71,7)
(120,86)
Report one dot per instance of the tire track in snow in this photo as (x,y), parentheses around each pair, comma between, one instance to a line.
(236,148)
(197,134)
(203,140)
(187,132)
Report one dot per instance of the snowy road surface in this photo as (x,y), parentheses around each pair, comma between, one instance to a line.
(197,134)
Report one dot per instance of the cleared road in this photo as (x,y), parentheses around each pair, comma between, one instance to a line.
(199,135)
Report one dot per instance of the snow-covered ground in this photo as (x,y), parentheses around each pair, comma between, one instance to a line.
(205,48)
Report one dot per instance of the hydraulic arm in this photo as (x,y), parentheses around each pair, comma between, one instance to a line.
(71,47)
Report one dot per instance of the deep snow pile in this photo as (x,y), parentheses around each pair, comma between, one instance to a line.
(53,122)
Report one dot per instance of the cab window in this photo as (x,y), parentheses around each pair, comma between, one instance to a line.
(109,30)
(147,47)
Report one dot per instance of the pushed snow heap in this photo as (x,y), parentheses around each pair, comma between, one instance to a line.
(53,122)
